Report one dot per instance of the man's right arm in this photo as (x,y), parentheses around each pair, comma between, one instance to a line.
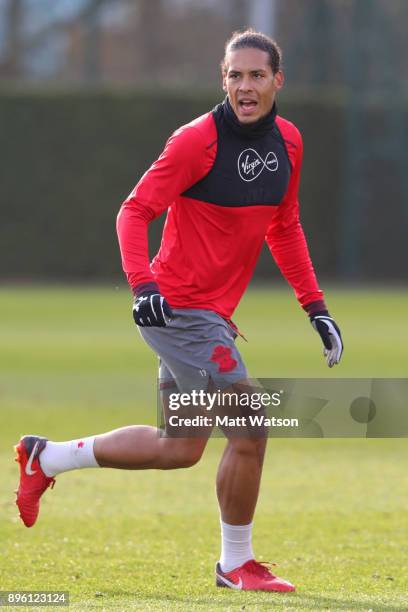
(183,162)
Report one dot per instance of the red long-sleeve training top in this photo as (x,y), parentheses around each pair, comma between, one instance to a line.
(225,192)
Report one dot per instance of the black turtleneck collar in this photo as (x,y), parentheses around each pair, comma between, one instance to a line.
(248,130)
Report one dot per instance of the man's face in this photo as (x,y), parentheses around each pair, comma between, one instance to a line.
(250,83)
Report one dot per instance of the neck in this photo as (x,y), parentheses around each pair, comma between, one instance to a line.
(249,130)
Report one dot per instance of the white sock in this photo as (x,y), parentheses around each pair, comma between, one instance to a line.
(236,545)
(60,457)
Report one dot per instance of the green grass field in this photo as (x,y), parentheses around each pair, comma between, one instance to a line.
(332,513)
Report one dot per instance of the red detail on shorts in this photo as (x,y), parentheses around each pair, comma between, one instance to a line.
(81,444)
(222,356)
(167,385)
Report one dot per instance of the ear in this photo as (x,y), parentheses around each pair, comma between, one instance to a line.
(279,80)
(224,79)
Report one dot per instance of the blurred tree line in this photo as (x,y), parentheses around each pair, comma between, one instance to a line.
(180,42)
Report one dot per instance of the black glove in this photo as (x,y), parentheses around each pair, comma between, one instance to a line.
(150,309)
(330,335)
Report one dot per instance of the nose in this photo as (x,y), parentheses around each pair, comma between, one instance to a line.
(245,84)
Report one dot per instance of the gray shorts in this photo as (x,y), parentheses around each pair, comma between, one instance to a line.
(195,347)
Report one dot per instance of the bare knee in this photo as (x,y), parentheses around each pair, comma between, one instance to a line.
(184,453)
(249,447)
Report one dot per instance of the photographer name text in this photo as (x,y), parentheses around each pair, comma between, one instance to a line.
(253,420)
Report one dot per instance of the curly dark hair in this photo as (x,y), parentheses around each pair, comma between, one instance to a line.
(256,40)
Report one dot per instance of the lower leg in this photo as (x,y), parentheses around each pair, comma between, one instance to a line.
(238,482)
(238,479)
(135,447)
(140,447)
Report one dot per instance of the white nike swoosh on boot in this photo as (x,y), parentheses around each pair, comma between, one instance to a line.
(231,584)
(28,469)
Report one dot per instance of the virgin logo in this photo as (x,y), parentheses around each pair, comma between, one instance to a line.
(251,164)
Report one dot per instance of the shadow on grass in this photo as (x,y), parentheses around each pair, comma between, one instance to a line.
(268,601)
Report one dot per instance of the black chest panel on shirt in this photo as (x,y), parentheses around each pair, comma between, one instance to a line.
(249,169)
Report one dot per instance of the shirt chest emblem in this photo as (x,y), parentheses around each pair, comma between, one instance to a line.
(251,164)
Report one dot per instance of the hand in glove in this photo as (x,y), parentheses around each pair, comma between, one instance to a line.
(150,309)
(330,335)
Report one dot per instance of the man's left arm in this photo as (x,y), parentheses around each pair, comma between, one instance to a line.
(287,243)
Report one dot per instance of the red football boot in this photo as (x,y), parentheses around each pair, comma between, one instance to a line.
(33,481)
(251,576)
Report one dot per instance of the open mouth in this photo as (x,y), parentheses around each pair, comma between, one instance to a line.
(247,106)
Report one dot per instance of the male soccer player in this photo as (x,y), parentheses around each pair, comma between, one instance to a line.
(229,180)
